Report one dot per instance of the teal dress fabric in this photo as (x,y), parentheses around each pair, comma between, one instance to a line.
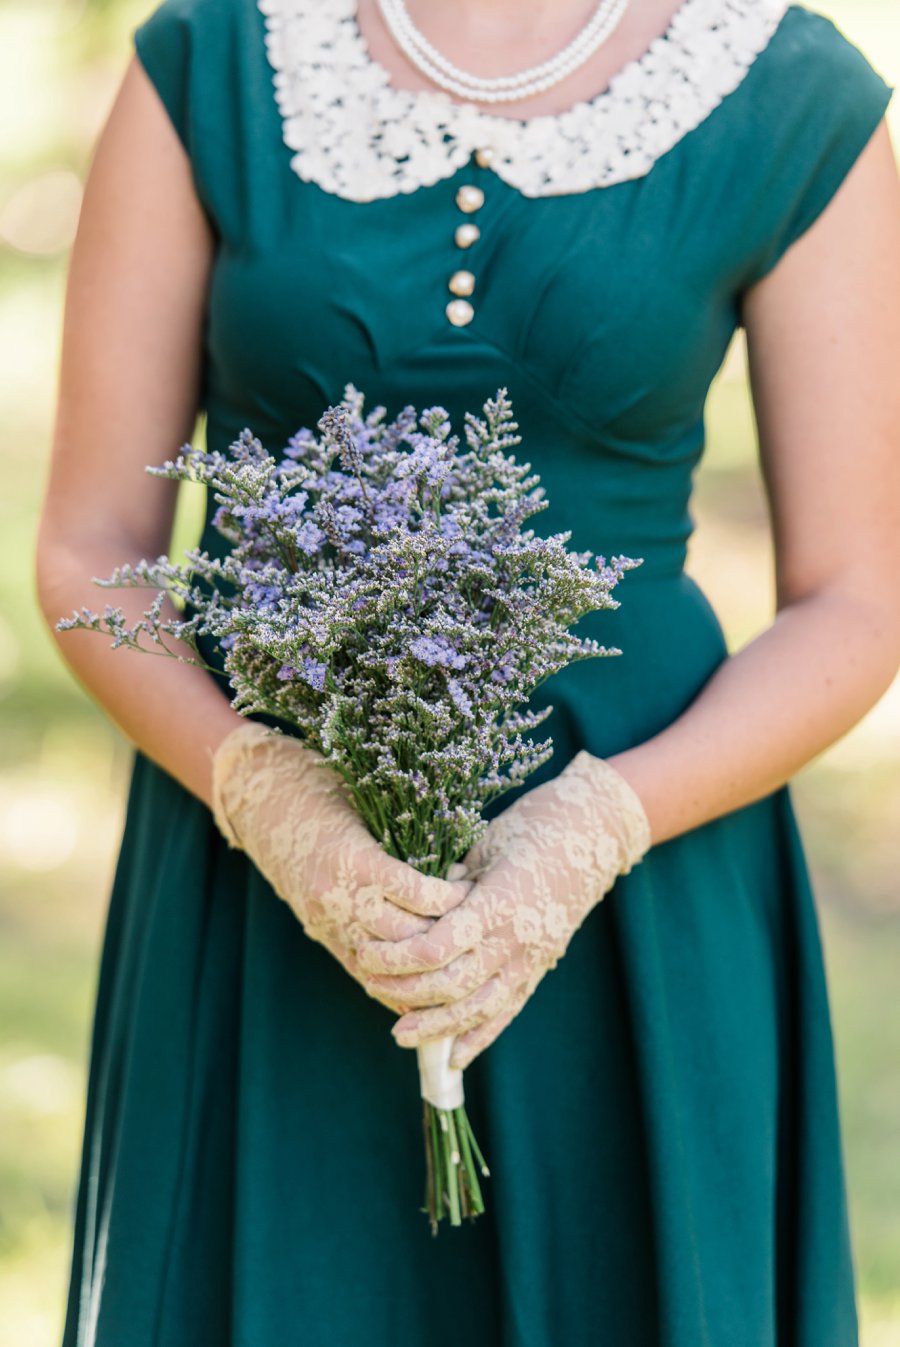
(661,1117)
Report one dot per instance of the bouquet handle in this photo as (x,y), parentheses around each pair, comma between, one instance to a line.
(441,1084)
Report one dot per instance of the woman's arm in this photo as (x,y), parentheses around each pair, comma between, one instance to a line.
(823,335)
(128,392)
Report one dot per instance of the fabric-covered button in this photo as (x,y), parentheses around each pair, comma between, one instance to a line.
(460,312)
(469,198)
(462,283)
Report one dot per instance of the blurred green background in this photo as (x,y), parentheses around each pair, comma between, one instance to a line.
(63,768)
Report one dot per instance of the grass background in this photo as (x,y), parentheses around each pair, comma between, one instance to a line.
(63,767)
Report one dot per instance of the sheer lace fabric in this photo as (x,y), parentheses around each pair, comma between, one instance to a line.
(289,810)
(540,868)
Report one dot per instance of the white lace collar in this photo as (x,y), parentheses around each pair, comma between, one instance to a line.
(357,136)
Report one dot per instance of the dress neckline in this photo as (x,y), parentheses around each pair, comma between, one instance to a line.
(624,73)
(356,134)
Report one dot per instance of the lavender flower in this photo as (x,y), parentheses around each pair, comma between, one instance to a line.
(384,597)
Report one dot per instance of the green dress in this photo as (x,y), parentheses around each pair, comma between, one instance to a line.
(661,1117)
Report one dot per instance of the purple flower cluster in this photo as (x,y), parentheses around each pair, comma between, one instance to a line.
(383,596)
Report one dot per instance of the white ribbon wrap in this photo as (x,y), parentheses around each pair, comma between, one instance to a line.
(440,1083)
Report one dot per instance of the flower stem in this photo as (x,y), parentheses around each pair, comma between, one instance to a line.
(452,1160)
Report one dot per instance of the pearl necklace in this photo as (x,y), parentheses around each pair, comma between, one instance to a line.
(502,88)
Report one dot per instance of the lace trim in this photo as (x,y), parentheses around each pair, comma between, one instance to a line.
(357,136)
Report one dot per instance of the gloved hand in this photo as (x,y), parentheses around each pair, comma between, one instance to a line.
(539,869)
(282,803)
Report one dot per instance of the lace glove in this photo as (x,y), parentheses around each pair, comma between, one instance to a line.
(284,805)
(539,869)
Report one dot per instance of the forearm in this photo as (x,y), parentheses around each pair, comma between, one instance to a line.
(173,712)
(767,711)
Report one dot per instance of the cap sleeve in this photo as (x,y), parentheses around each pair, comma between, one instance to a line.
(823,102)
(170,45)
(163,46)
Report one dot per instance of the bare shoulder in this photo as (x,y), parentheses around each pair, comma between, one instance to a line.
(823,340)
(854,242)
(139,149)
(131,362)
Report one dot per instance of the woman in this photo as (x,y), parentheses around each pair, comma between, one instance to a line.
(286,198)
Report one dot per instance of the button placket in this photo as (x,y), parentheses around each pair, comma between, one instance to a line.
(469,199)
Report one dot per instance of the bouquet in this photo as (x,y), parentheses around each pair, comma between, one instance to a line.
(382,598)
